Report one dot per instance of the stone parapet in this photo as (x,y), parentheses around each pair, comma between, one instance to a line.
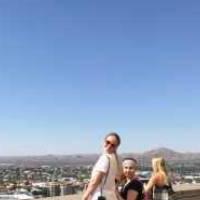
(182,192)
(187,195)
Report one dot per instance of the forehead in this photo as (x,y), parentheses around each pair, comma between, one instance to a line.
(129,163)
(112,138)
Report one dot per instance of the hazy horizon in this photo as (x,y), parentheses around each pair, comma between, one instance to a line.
(95,153)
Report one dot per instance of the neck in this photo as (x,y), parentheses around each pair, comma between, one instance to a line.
(131,178)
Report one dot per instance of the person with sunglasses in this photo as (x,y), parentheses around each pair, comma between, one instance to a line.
(105,172)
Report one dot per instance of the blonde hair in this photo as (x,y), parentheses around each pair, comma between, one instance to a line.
(159,166)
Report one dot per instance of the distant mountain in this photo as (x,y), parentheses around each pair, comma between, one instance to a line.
(168,154)
(87,159)
(173,158)
(162,150)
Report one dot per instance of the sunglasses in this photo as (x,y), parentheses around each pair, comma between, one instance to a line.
(111,144)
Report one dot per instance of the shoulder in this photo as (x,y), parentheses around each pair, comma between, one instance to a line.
(102,164)
(103,158)
(135,185)
(159,178)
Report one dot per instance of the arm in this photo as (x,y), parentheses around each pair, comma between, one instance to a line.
(94,182)
(150,184)
(132,195)
(101,169)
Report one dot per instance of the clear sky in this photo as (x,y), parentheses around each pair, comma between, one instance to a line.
(71,71)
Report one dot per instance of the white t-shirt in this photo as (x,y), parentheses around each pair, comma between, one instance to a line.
(106,162)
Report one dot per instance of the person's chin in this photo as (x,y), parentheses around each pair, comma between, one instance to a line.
(106,150)
(109,151)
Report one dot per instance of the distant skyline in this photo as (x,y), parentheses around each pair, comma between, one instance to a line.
(70,72)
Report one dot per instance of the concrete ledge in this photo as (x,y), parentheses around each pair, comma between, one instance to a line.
(182,192)
(187,195)
(67,197)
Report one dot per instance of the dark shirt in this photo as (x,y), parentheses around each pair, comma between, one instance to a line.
(135,185)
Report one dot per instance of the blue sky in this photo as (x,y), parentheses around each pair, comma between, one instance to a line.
(71,71)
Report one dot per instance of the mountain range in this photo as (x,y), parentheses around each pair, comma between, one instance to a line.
(89,159)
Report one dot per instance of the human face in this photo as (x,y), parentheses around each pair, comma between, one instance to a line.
(110,144)
(129,168)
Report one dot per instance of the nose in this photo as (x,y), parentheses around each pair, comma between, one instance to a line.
(127,169)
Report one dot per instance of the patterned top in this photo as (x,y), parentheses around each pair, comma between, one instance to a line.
(161,193)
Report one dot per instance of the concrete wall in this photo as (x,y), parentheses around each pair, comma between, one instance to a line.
(186,192)
(67,197)
(181,195)
(187,195)
(182,192)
